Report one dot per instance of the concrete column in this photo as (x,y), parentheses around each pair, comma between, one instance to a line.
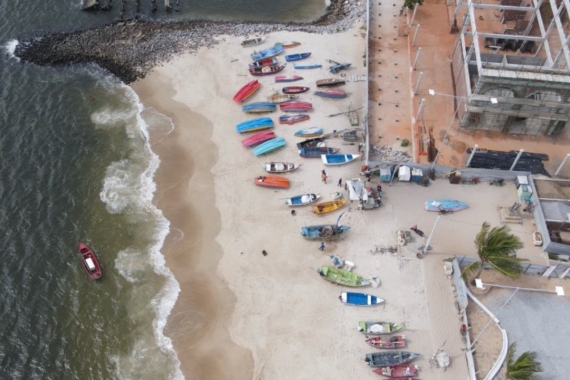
(516,160)
(417,57)
(415,35)
(472,154)
(562,164)
(418,83)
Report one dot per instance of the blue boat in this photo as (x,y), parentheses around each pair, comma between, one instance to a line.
(315,152)
(339,66)
(338,159)
(255,125)
(259,107)
(445,205)
(331,93)
(297,57)
(307,65)
(292,119)
(269,146)
(359,299)
(309,132)
(267,53)
(301,200)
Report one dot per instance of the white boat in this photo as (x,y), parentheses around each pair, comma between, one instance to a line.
(280,167)
(338,159)
(302,200)
(252,41)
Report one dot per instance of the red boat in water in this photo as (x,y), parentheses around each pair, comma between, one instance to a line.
(257,138)
(295,106)
(89,261)
(397,371)
(295,89)
(246,91)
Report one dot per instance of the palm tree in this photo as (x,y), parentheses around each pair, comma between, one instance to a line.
(524,367)
(496,247)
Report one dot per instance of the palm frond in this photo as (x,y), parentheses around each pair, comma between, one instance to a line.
(509,266)
(496,246)
(471,268)
(524,367)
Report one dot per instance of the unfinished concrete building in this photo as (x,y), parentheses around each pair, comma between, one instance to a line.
(511,65)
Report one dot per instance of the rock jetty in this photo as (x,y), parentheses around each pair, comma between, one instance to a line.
(131,49)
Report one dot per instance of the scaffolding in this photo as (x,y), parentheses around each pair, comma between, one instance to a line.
(511,65)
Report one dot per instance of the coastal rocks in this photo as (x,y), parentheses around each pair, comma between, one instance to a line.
(131,49)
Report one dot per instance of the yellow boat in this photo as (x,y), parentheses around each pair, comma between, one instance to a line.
(330,206)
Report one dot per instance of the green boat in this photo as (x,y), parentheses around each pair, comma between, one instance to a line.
(342,277)
(378,328)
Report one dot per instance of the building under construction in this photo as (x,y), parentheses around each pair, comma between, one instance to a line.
(511,65)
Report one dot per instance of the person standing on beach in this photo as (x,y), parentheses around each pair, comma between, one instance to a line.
(339,182)
(322,247)
(324,177)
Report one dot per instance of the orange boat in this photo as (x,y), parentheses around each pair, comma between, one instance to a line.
(246,91)
(272,181)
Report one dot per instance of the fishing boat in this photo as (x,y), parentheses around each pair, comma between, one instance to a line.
(281,98)
(342,277)
(257,138)
(272,181)
(252,41)
(280,167)
(246,91)
(325,231)
(328,206)
(309,132)
(265,62)
(292,119)
(317,151)
(390,358)
(339,66)
(332,93)
(450,205)
(378,328)
(253,125)
(304,66)
(259,107)
(295,89)
(396,341)
(269,146)
(287,78)
(288,45)
(297,57)
(360,299)
(267,53)
(317,142)
(338,159)
(397,371)
(89,262)
(302,200)
(330,82)
(265,70)
(295,106)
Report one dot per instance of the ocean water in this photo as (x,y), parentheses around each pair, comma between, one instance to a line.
(75,165)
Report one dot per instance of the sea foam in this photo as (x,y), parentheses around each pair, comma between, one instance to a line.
(10,48)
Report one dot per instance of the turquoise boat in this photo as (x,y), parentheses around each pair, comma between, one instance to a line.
(267,53)
(307,65)
(259,107)
(269,146)
(450,205)
(255,125)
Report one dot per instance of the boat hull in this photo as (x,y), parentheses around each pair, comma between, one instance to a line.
(254,125)
(292,119)
(379,327)
(264,62)
(297,57)
(252,41)
(257,138)
(324,232)
(295,106)
(401,371)
(317,152)
(331,94)
(288,45)
(307,66)
(280,167)
(246,91)
(287,78)
(445,204)
(390,358)
(302,200)
(269,146)
(328,207)
(393,342)
(265,70)
(309,132)
(342,277)
(272,181)
(267,53)
(330,82)
(259,107)
(338,159)
(281,98)
(360,299)
(294,89)
(89,262)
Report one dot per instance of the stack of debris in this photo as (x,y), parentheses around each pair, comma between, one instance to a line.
(387,153)
(495,159)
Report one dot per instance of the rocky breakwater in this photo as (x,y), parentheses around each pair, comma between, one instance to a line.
(130,49)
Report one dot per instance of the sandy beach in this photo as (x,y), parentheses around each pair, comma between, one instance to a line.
(243,315)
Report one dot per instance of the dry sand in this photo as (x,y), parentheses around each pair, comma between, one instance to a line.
(242,315)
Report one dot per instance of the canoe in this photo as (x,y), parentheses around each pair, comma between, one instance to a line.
(395,341)
(288,45)
(265,70)
(342,277)
(292,119)
(89,262)
(397,371)
(309,132)
(257,138)
(271,181)
(280,167)
(253,125)
(246,91)
(295,89)
(259,107)
(269,146)
(332,93)
(252,41)
(265,62)
(360,299)
(445,204)
(301,200)
(317,151)
(287,78)
(281,98)
(297,57)
(338,159)
(324,231)
(267,53)
(328,206)
(378,327)
(339,66)
(389,358)
(303,66)
(295,106)
(330,82)
(317,142)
